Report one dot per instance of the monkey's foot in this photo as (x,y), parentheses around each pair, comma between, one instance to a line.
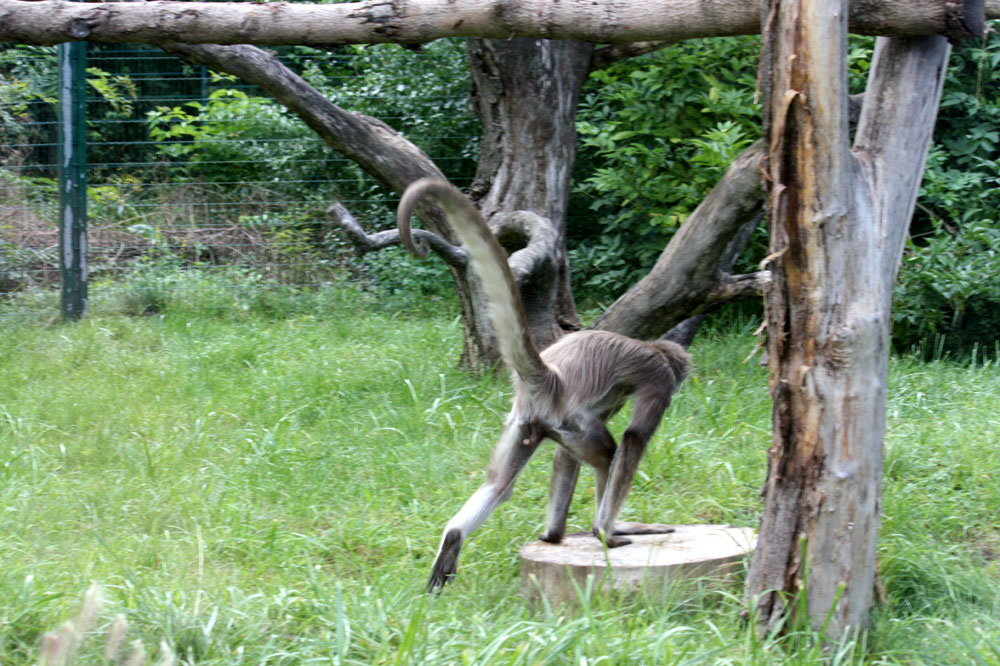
(552,536)
(641,528)
(446,562)
(610,540)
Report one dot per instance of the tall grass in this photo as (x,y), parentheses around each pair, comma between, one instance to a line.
(267,485)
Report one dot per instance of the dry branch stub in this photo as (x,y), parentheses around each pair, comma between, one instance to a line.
(652,562)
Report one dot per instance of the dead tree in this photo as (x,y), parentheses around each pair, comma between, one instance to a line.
(838,215)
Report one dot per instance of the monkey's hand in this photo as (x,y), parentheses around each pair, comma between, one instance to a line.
(446,562)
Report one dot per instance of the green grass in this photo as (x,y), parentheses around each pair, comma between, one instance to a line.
(268,485)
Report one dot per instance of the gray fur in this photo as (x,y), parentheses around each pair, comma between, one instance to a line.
(566,393)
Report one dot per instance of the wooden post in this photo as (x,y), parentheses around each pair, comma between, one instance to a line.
(839,217)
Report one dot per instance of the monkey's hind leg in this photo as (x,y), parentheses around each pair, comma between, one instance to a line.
(565,471)
(511,453)
(649,407)
(590,442)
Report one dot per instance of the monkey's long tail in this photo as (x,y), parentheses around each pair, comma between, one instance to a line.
(490,263)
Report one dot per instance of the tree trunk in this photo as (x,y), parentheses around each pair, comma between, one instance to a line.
(412,21)
(525,92)
(838,222)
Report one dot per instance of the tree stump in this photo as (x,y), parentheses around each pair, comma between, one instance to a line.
(649,563)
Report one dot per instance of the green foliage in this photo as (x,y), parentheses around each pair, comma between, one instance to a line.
(656,133)
(232,138)
(425,95)
(116,201)
(949,289)
(400,277)
(948,294)
(156,285)
(27,76)
(119,92)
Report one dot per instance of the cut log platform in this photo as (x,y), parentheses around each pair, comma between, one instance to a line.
(649,563)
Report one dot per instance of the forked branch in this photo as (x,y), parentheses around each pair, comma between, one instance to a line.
(364,242)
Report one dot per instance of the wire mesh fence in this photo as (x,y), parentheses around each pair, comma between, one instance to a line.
(197,181)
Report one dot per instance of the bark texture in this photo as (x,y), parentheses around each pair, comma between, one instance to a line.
(416,21)
(525,92)
(838,217)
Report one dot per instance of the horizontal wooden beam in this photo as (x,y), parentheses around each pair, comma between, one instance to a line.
(415,21)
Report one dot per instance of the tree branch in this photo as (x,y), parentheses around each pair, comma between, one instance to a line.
(738,287)
(416,21)
(535,236)
(377,148)
(365,243)
(690,266)
(896,126)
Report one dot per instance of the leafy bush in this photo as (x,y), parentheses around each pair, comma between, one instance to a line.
(401,277)
(949,285)
(948,294)
(645,163)
(232,138)
(424,95)
(962,173)
(27,76)
(656,133)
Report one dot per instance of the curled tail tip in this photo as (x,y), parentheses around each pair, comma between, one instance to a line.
(414,192)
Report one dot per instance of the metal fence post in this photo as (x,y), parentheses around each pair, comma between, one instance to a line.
(73,178)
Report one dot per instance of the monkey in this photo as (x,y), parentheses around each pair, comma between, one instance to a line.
(566,393)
